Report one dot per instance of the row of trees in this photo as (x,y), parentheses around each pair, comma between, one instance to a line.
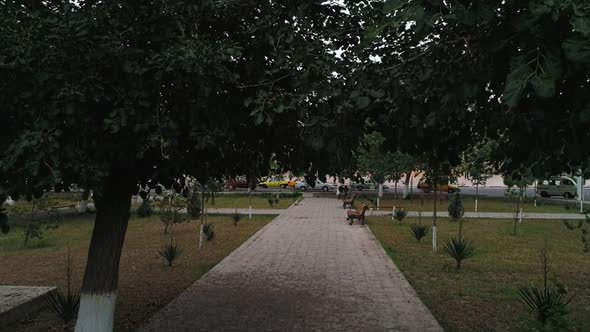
(120,94)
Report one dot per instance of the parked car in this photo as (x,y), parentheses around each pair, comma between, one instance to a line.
(302,185)
(449,188)
(274,183)
(366,185)
(235,183)
(557,186)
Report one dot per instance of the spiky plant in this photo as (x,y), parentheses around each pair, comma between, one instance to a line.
(145,209)
(271,201)
(400,214)
(209,231)
(419,231)
(170,252)
(65,305)
(459,249)
(547,303)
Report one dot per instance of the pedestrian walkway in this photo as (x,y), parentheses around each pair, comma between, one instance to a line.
(307,270)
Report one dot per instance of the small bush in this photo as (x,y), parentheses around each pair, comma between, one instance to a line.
(193,204)
(400,214)
(271,201)
(459,249)
(419,231)
(170,252)
(65,306)
(549,304)
(145,209)
(236,218)
(209,231)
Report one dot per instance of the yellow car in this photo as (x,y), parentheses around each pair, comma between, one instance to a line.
(274,183)
(449,188)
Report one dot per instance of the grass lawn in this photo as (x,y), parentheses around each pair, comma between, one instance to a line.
(258,201)
(482,296)
(485,204)
(145,283)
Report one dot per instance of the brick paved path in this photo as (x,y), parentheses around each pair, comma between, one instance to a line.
(307,270)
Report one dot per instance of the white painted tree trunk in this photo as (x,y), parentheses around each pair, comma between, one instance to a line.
(476,195)
(434,239)
(83,206)
(97,312)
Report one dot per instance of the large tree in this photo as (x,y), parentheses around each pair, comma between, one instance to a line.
(112,95)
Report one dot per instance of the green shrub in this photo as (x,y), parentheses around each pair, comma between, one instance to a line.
(236,218)
(145,209)
(400,214)
(419,231)
(193,204)
(170,252)
(459,249)
(209,231)
(549,304)
(271,201)
(65,306)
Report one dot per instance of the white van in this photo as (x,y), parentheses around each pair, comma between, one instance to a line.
(557,186)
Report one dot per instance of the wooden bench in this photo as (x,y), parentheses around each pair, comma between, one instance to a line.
(358,214)
(348,202)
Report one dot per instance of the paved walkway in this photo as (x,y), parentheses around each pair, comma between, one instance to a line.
(307,270)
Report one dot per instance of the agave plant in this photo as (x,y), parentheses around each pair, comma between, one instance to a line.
(209,231)
(459,249)
(419,231)
(548,303)
(400,214)
(65,305)
(170,252)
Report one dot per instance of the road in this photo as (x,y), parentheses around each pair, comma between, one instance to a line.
(495,191)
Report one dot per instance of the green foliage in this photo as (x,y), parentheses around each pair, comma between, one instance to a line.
(399,214)
(4,226)
(459,249)
(209,231)
(236,218)
(170,252)
(193,203)
(145,209)
(456,210)
(419,231)
(548,303)
(39,214)
(170,213)
(65,305)
(373,159)
(582,226)
(271,201)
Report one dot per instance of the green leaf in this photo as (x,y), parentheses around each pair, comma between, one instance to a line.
(585,114)
(544,85)
(362,102)
(391,6)
(280,108)
(516,81)
(577,49)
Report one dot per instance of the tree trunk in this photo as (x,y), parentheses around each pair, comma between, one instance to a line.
(476,194)
(202,217)
(516,215)
(406,185)
(434,221)
(83,207)
(99,287)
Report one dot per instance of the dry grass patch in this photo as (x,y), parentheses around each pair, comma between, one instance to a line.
(146,284)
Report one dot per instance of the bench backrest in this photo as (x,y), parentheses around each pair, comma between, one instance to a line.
(364,209)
